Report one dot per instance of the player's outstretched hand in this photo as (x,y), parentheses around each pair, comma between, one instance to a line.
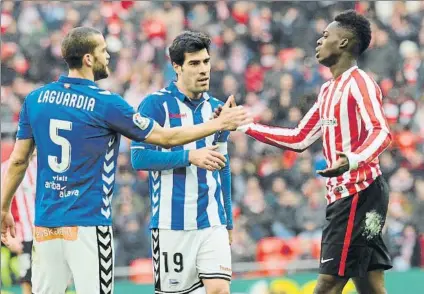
(233,116)
(207,158)
(339,167)
(7,227)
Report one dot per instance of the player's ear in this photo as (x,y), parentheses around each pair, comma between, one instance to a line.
(88,59)
(343,43)
(177,68)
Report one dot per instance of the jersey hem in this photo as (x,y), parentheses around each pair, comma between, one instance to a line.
(186,229)
(73,224)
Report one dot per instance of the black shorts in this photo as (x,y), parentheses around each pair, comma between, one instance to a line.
(24,261)
(352,243)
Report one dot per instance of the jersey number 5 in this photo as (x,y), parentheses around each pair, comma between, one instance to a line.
(65,161)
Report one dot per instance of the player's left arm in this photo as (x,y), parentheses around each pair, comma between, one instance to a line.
(225,175)
(368,96)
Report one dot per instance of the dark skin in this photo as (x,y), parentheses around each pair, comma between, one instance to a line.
(336,49)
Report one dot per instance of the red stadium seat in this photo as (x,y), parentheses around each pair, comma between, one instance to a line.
(141,271)
(275,251)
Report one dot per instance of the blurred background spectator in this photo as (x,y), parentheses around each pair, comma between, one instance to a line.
(263,52)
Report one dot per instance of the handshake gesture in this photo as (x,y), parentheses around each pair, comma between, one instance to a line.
(232,116)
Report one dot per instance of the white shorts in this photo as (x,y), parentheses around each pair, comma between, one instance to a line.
(181,259)
(84,254)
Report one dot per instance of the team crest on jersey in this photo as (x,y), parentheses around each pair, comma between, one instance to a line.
(140,121)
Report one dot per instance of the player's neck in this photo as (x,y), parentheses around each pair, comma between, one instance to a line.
(81,74)
(188,94)
(341,66)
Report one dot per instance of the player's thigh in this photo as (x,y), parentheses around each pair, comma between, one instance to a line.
(50,271)
(372,283)
(90,258)
(174,261)
(214,258)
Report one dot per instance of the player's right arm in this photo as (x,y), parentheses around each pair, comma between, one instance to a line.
(229,120)
(296,139)
(15,172)
(121,117)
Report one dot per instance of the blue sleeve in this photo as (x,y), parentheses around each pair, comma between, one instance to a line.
(122,118)
(225,175)
(24,127)
(153,160)
(145,156)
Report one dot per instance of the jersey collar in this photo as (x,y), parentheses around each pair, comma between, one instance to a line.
(78,81)
(180,96)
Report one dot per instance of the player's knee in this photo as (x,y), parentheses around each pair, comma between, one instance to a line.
(373,284)
(329,285)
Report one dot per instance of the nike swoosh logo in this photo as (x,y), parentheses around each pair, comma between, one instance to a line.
(326,260)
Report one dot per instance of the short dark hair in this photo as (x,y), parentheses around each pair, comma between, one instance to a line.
(77,43)
(359,25)
(188,42)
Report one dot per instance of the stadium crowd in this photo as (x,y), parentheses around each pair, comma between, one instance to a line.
(263,52)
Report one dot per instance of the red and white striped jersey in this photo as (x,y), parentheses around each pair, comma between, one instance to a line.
(348,115)
(23,204)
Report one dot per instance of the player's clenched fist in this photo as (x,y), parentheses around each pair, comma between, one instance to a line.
(233,116)
(207,158)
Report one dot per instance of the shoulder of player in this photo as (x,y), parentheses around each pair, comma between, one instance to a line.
(358,75)
(99,92)
(214,101)
(157,98)
(36,92)
(323,88)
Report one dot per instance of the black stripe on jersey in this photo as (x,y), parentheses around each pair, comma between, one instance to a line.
(192,288)
(105,251)
(156,258)
(215,276)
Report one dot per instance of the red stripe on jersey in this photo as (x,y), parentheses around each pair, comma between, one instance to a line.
(338,134)
(324,102)
(362,131)
(348,235)
(22,206)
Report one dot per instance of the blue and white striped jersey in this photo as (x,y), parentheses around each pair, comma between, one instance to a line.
(187,198)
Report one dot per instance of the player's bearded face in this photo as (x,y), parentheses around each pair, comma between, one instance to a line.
(100,59)
(195,72)
(100,69)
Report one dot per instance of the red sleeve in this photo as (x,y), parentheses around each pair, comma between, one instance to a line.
(369,100)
